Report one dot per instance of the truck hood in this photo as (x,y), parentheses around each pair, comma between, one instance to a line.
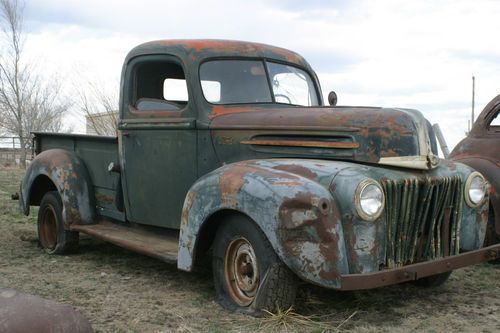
(389,136)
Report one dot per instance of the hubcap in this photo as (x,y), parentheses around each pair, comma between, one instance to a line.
(241,271)
(48,229)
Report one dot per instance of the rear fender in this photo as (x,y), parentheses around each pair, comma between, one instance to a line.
(298,216)
(61,170)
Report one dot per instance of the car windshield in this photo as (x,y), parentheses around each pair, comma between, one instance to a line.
(254,81)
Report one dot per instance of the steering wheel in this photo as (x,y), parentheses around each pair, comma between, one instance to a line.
(285,97)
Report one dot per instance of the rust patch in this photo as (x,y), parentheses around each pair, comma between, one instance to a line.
(198,49)
(218,110)
(187,207)
(308,225)
(233,179)
(418,270)
(302,143)
(231,182)
(302,201)
(330,253)
(297,169)
(104,198)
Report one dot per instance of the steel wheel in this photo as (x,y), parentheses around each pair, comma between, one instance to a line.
(248,275)
(48,228)
(53,236)
(241,271)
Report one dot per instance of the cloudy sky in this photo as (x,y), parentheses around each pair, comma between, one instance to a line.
(414,54)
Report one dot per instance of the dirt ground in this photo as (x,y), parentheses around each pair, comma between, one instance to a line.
(120,291)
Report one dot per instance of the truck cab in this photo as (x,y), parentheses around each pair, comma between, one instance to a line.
(225,149)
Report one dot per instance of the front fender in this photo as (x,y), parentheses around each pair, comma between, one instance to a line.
(298,215)
(70,177)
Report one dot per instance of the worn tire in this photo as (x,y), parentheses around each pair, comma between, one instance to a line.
(52,235)
(272,287)
(433,280)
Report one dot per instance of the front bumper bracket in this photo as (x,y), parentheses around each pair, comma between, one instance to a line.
(419,270)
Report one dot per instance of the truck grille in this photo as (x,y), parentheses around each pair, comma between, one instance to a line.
(423,219)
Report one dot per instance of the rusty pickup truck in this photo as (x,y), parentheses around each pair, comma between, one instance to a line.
(225,150)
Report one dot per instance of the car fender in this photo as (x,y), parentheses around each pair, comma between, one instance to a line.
(61,170)
(298,215)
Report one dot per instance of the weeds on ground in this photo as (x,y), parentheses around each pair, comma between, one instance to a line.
(291,321)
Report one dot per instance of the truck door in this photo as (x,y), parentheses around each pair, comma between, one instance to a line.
(157,140)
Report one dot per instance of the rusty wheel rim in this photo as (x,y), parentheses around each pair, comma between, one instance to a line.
(48,229)
(241,271)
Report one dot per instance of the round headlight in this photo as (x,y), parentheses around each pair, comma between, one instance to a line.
(369,200)
(475,189)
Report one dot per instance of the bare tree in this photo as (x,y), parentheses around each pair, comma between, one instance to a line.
(100,108)
(27,102)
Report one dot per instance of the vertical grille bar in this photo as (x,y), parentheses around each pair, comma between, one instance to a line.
(423,219)
(391,221)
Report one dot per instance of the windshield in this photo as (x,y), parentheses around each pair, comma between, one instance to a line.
(248,81)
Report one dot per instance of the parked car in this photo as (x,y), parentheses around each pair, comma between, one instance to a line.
(481,150)
(226,149)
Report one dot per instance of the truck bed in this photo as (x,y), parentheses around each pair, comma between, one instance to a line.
(96,152)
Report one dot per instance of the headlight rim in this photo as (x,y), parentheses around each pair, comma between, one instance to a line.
(357,199)
(468,182)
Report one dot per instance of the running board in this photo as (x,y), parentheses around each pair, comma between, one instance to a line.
(163,246)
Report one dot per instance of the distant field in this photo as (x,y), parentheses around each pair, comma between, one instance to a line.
(120,291)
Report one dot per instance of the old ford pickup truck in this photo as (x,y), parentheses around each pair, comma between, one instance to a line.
(226,150)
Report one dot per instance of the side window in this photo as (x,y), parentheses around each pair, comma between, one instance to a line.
(496,120)
(160,86)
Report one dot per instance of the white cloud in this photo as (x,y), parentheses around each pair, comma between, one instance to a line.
(418,54)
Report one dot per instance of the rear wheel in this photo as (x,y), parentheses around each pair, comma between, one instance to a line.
(53,237)
(248,275)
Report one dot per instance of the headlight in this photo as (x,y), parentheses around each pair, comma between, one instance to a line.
(369,199)
(475,189)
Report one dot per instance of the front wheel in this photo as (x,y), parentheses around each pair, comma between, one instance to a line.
(248,275)
(53,237)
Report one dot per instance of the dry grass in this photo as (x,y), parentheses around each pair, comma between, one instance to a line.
(121,291)
(291,321)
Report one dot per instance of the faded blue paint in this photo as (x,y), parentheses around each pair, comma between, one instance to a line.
(263,192)
(266,187)
(70,177)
